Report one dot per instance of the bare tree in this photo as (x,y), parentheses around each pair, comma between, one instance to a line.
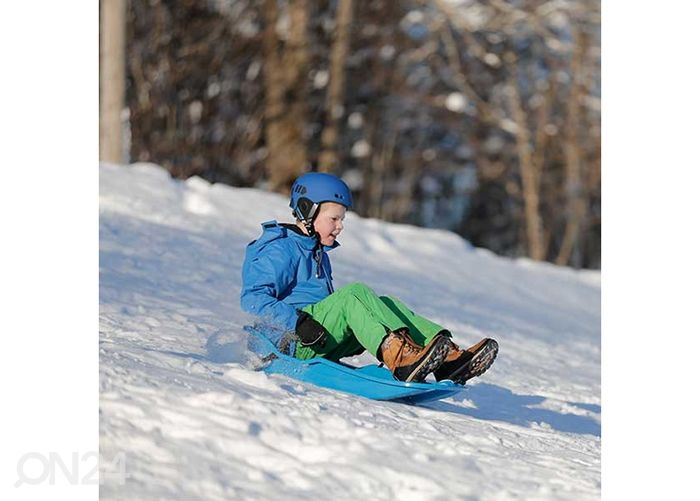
(573,186)
(529,170)
(112,78)
(285,72)
(334,100)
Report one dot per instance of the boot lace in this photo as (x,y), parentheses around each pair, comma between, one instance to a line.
(405,348)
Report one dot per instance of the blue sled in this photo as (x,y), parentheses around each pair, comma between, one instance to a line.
(370,381)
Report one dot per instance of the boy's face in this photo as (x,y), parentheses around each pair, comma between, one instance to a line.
(329,222)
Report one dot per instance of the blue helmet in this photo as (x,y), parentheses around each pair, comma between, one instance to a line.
(314,188)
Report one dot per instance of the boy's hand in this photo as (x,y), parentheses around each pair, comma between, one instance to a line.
(309,331)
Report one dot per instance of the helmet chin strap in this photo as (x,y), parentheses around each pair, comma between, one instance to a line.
(309,225)
(308,219)
(308,222)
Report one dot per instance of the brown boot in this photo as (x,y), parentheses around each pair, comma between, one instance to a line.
(409,361)
(461,365)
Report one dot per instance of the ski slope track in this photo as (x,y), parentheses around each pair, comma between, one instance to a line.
(180,399)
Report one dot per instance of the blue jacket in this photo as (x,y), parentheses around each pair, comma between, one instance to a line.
(284,271)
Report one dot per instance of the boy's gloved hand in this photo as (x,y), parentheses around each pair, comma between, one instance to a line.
(309,331)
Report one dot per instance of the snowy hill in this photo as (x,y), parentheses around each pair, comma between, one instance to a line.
(179,397)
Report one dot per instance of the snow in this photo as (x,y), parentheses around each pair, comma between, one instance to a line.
(492,59)
(456,102)
(179,398)
(356,120)
(361,149)
(321,79)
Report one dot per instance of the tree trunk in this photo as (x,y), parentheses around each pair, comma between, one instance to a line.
(529,175)
(576,206)
(382,162)
(285,94)
(328,158)
(112,78)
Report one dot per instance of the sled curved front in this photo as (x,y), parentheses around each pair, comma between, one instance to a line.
(370,381)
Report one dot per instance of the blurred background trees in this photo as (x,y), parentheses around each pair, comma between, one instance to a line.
(481,117)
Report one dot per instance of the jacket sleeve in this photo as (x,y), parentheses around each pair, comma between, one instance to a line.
(265,277)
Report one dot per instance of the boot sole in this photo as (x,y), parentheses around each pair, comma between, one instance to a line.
(432,361)
(480,362)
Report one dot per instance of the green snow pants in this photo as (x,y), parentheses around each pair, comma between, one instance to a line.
(357,320)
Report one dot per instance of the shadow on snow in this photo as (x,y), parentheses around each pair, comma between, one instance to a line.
(500,404)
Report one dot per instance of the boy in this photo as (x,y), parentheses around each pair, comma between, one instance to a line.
(287,278)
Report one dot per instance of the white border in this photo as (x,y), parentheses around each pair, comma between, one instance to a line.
(651,194)
(49,207)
